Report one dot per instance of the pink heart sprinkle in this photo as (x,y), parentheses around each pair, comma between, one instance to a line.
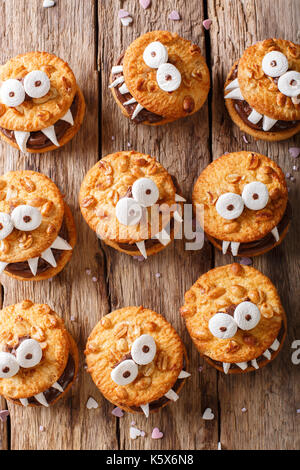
(123,14)
(117,412)
(157,434)
(207,23)
(294,151)
(145,4)
(3,415)
(174,15)
(246,261)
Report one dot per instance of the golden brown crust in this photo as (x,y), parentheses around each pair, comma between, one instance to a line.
(258,89)
(230,173)
(141,79)
(108,181)
(37,114)
(42,324)
(217,290)
(65,255)
(68,135)
(111,340)
(36,189)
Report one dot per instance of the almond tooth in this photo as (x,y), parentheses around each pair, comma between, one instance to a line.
(188,311)
(233,178)
(88,201)
(106,323)
(266,310)
(37,201)
(237,291)
(264,215)
(47,208)
(121,330)
(105,167)
(253,161)
(2,184)
(27,184)
(122,345)
(237,269)
(26,304)
(254,296)
(216,292)
(275,194)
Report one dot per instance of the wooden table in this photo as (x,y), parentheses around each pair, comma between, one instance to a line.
(90,37)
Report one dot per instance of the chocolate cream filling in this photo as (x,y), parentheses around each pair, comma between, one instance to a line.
(51,394)
(144,114)
(22,269)
(244,110)
(267,242)
(38,140)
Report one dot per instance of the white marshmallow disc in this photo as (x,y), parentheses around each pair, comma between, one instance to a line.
(8,365)
(143,350)
(12,93)
(128,211)
(145,191)
(36,84)
(255,195)
(230,206)
(125,373)
(168,77)
(155,54)
(29,353)
(275,64)
(222,326)
(6,225)
(289,83)
(26,218)
(247,315)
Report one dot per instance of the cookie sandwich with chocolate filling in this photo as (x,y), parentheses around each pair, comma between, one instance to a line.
(262,90)
(235,318)
(37,230)
(41,105)
(161,77)
(38,357)
(132,203)
(245,200)
(137,360)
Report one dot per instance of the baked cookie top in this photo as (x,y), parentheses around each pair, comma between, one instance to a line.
(176,80)
(36,90)
(31,214)
(34,349)
(152,349)
(118,193)
(269,78)
(250,308)
(244,196)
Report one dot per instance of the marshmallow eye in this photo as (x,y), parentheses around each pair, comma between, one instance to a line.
(145,191)
(168,77)
(230,206)
(255,195)
(143,350)
(36,84)
(29,353)
(155,55)
(128,211)
(289,83)
(275,64)
(26,218)
(222,326)
(12,93)
(6,225)
(125,373)
(8,365)
(247,315)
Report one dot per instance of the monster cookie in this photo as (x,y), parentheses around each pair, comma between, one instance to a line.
(234,316)
(130,201)
(245,200)
(262,90)
(136,359)
(41,105)
(37,230)
(160,78)
(38,357)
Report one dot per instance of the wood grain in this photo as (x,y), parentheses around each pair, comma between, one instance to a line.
(89,35)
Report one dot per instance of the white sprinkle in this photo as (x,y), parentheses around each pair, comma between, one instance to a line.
(126,21)
(112,137)
(94,279)
(72,318)
(298,411)
(88,271)
(157,275)
(244,410)
(42,429)
(128,144)
(48,3)
(219,446)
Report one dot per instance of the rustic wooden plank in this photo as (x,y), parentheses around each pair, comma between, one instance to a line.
(271,395)
(67,30)
(182,147)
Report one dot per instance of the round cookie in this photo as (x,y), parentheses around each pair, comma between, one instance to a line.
(136,359)
(245,201)
(258,92)
(117,187)
(160,78)
(41,106)
(235,318)
(37,230)
(38,357)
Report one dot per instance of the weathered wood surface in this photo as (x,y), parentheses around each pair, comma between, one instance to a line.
(88,34)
